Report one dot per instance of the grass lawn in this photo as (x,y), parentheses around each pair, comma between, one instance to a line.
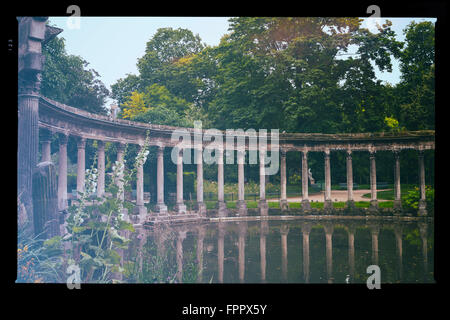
(389,194)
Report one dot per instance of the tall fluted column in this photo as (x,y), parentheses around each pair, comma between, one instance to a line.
(328,203)
(120,154)
(101,168)
(201,206)
(350,201)
(306,229)
(305,201)
(283,181)
(160,207)
(62,172)
(264,230)
(81,164)
(262,179)
(284,230)
(373,183)
(422,201)
(241,204)
(140,185)
(46,145)
(221,205)
(180,207)
(397,186)
(328,228)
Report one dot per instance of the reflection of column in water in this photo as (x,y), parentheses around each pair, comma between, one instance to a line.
(423,227)
(284,230)
(200,238)
(264,230)
(142,237)
(306,229)
(351,250)
(328,228)
(220,253)
(398,230)
(242,226)
(374,230)
(180,238)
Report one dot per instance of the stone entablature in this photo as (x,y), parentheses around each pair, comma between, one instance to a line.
(60,118)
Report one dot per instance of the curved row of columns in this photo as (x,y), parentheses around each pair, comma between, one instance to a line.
(180,207)
(284,231)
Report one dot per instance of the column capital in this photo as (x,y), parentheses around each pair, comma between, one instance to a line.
(396,153)
(306,227)
(100,144)
(349,152)
(46,135)
(284,229)
(63,138)
(121,146)
(160,150)
(327,152)
(283,152)
(81,143)
(328,228)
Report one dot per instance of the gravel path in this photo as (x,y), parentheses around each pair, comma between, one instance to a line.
(340,195)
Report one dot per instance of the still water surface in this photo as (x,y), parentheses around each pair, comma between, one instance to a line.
(296,251)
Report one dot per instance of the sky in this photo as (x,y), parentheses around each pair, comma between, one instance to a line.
(112,45)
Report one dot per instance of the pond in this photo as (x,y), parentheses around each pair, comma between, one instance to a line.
(320,250)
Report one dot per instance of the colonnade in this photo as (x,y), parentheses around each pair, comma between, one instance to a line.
(180,207)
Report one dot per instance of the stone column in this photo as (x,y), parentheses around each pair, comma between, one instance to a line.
(221,205)
(81,165)
(264,230)
(120,154)
(181,236)
(140,185)
(397,187)
(350,201)
(328,203)
(283,202)
(46,145)
(284,230)
(62,172)
(201,206)
(180,207)
(305,201)
(262,179)
(351,250)
(306,229)
(220,250)
(241,204)
(160,207)
(242,227)
(374,230)
(101,168)
(373,183)
(399,244)
(328,228)
(422,201)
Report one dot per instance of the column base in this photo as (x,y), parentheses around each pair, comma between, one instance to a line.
(350,204)
(422,208)
(284,204)
(222,210)
(141,215)
(200,207)
(262,204)
(241,205)
(306,205)
(397,207)
(373,208)
(328,204)
(180,208)
(161,208)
